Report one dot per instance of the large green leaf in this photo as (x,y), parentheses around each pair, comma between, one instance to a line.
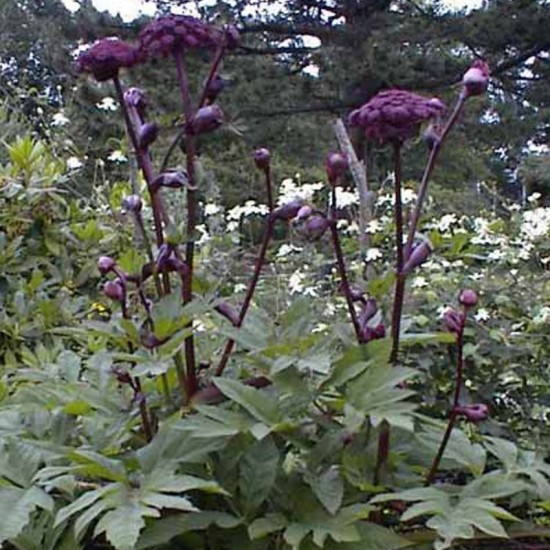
(122,526)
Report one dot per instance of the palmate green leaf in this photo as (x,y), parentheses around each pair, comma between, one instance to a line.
(163,530)
(122,526)
(270,523)
(260,405)
(257,473)
(16,507)
(328,488)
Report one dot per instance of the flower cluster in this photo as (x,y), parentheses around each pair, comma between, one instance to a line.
(395,115)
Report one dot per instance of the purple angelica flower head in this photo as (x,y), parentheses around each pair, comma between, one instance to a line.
(287,211)
(476,78)
(167,34)
(262,158)
(336,166)
(474,413)
(395,115)
(454,321)
(207,119)
(106,57)
(468,297)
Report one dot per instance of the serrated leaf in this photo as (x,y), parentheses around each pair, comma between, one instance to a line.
(82,502)
(158,500)
(271,523)
(121,526)
(329,489)
(256,402)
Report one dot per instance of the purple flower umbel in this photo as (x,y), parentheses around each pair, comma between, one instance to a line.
(106,57)
(395,115)
(166,34)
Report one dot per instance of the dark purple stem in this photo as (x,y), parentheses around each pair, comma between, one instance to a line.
(434,153)
(212,73)
(456,402)
(260,260)
(400,278)
(341,264)
(190,149)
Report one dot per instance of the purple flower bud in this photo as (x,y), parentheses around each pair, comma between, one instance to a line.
(454,321)
(132,203)
(262,158)
(173,179)
(356,294)
(232,37)
(165,251)
(114,290)
(207,119)
(336,166)
(287,211)
(468,297)
(305,212)
(179,266)
(474,413)
(122,375)
(136,99)
(229,312)
(368,311)
(431,136)
(214,88)
(315,226)
(148,133)
(418,256)
(368,333)
(105,264)
(476,78)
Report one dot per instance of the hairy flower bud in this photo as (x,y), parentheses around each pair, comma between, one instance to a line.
(173,179)
(262,158)
(214,89)
(315,226)
(336,166)
(418,256)
(105,264)
(207,119)
(287,211)
(476,78)
(132,203)
(474,413)
(148,133)
(114,290)
(454,321)
(468,297)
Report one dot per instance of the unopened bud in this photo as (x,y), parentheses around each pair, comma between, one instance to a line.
(207,119)
(165,251)
(474,413)
(476,78)
(136,98)
(368,311)
(454,321)
(418,256)
(173,179)
(114,290)
(368,333)
(315,226)
(468,297)
(122,375)
(132,203)
(148,133)
(262,158)
(105,264)
(336,166)
(232,37)
(214,88)
(356,294)
(305,212)
(229,312)
(287,211)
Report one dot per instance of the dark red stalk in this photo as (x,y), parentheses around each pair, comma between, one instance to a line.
(341,264)
(260,260)
(456,402)
(190,149)
(434,153)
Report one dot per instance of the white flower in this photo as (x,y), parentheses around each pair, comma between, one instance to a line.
(74,163)
(441,310)
(107,104)
(536,223)
(446,222)
(205,236)
(346,198)
(239,287)
(117,156)
(295,282)
(211,209)
(543,316)
(289,191)
(374,226)
(247,209)
(60,119)
(482,315)
(286,249)
(419,282)
(373,254)
(534,197)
